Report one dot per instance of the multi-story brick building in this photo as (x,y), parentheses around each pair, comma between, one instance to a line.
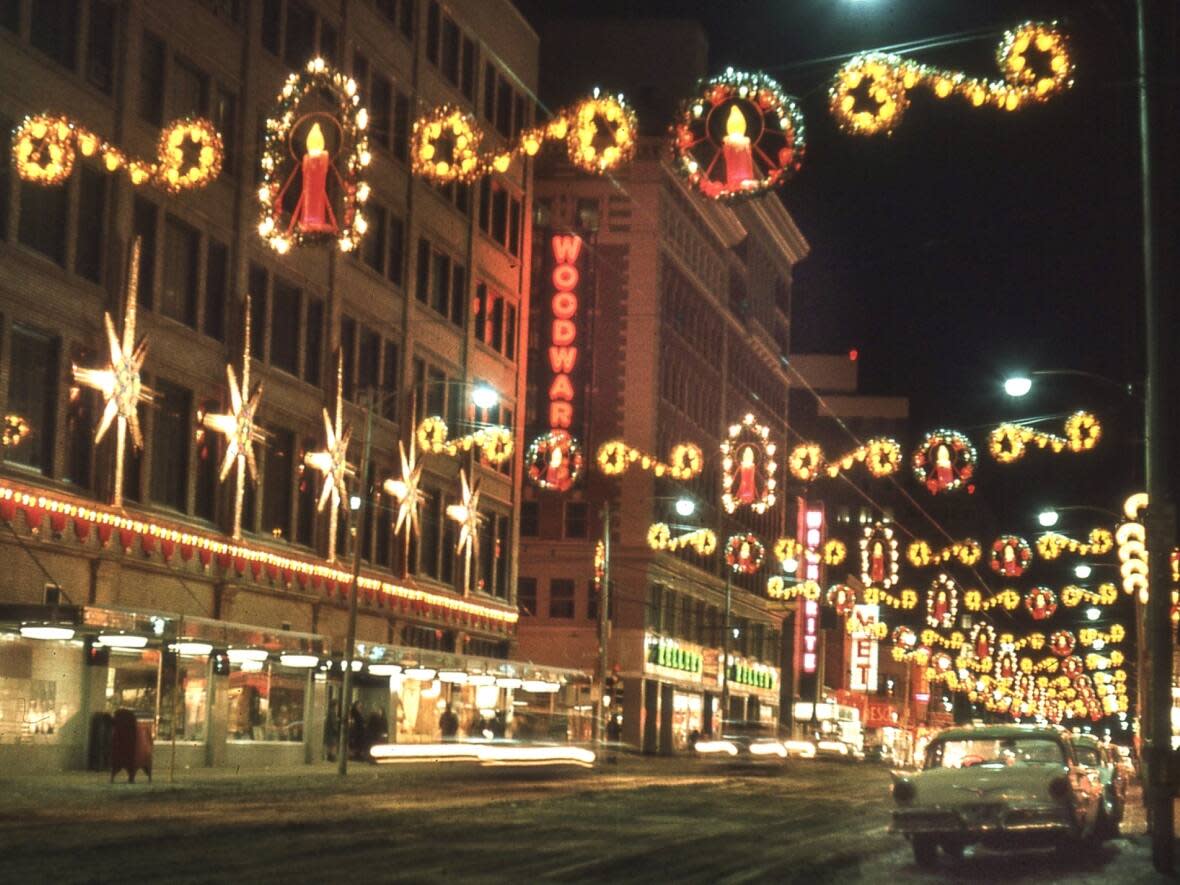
(434,300)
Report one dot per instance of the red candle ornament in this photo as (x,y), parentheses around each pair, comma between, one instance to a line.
(313,213)
(739,159)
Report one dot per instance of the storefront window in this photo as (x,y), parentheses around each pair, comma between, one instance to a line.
(40,691)
(418,705)
(133,682)
(188,675)
(266,704)
(686,718)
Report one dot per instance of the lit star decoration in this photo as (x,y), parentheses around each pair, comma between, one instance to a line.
(739,137)
(446,142)
(1051,544)
(467,514)
(747,462)
(352,122)
(332,460)
(967,552)
(406,491)
(238,427)
(871,92)
(684,461)
(881,458)
(45,148)
(660,537)
(1008,442)
(494,442)
(120,383)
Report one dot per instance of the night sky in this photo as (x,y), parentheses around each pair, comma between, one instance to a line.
(971,242)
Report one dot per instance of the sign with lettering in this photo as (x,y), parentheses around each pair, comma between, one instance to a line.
(863,656)
(563,329)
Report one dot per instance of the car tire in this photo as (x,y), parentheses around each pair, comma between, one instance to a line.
(925,852)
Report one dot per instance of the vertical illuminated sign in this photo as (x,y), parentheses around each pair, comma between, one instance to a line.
(563,331)
(811,536)
(864,656)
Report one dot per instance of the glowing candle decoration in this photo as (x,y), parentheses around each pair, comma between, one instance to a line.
(739,161)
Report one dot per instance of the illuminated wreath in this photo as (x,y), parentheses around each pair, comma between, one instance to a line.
(1041,603)
(905,637)
(1062,643)
(748,434)
(942,603)
(351,121)
(982,641)
(189,153)
(787,548)
(944,473)
(834,551)
(1010,556)
(744,553)
(541,469)
(841,598)
(710,131)
(13,429)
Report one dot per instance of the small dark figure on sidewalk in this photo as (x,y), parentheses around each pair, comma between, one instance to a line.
(448,724)
(356,731)
(499,725)
(376,731)
(693,737)
(332,732)
(614,734)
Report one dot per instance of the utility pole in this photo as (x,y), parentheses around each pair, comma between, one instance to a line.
(603,625)
(725,643)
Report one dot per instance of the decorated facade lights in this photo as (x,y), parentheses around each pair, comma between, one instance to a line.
(238,426)
(1009,556)
(119,381)
(554,461)
(944,461)
(881,457)
(1041,603)
(466,514)
(975,601)
(189,153)
(307,149)
(615,457)
(332,460)
(744,553)
(1131,537)
(748,467)
(237,555)
(1099,542)
(966,552)
(599,134)
(13,430)
(942,602)
(495,442)
(1008,442)
(739,137)
(407,491)
(871,92)
(878,556)
(660,537)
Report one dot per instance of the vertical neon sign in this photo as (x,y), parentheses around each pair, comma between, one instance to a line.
(811,536)
(563,336)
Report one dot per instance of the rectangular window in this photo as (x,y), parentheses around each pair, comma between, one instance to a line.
(276,483)
(504,107)
(225,118)
(189,90)
(380,107)
(391,368)
(530,519)
(144,215)
(360,68)
(489,91)
(257,289)
(272,18)
(526,596)
(43,220)
(395,265)
(429,535)
(422,292)
(348,354)
(591,601)
(514,217)
(32,394)
(433,14)
(169,450)
(92,200)
(151,79)
(497,324)
(468,84)
(503,546)
(510,331)
(178,295)
(442,282)
(5,178)
(312,345)
(482,307)
(284,328)
(518,113)
(82,407)
(499,229)
(373,245)
(306,493)
(458,294)
(436,392)
(208,455)
(328,41)
(300,44)
(10,15)
(53,29)
(405,18)
(401,127)
(450,50)
(561,598)
(100,45)
(368,354)
(216,289)
(485,205)
(485,580)
(575,519)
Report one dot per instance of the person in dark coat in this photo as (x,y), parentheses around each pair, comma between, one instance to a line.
(448,724)
(356,731)
(376,730)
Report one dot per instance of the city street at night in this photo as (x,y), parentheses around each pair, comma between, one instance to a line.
(648,821)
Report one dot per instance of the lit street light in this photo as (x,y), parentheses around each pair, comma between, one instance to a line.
(1093,614)
(1082,571)
(1018,385)
(485,397)
(1048,518)
(685,507)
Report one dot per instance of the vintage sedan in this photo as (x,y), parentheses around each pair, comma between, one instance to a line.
(1104,759)
(1004,786)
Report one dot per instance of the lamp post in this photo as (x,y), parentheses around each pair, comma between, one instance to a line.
(1019,385)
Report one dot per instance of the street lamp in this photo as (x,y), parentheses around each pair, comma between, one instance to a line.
(485,397)
(1017,385)
(685,507)
(1093,614)
(1020,385)
(1048,518)
(1082,571)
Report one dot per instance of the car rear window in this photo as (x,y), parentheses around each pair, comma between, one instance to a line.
(995,752)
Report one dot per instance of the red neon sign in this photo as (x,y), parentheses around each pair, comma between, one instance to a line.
(563,334)
(810,533)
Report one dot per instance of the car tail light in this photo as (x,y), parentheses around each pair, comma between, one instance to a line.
(1059,787)
(903,791)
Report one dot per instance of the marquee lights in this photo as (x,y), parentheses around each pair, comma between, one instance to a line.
(685,461)
(942,602)
(446,142)
(188,154)
(744,553)
(554,461)
(748,467)
(1008,442)
(739,138)
(871,92)
(332,461)
(312,145)
(944,462)
(878,556)
(1051,544)
(1010,556)
(495,442)
(703,541)
(233,552)
(881,457)
(966,552)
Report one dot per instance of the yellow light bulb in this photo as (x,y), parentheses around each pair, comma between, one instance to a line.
(735,123)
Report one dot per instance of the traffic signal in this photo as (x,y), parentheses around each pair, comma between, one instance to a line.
(97,655)
(220,660)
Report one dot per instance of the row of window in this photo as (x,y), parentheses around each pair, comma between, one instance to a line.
(679,615)
(562,602)
(77,35)
(575,519)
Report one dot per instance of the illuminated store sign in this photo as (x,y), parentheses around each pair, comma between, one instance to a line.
(563,335)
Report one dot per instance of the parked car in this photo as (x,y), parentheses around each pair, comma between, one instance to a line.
(879,753)
(1094,754)
(744,745)
(1005,786)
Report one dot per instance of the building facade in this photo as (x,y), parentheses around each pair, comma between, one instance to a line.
(434,300)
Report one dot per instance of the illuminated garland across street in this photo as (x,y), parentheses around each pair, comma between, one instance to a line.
(312,162)
(907,599)
(1010,556)
(778,588)
(966,552)
(615,457)
(1008,442)
(974,601)
(740,137)
(881,457)
(871,92)
(703,541)
(748,467)
(1051,545)
(188,154)
(494,442)
(446,142)
(1073,596)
